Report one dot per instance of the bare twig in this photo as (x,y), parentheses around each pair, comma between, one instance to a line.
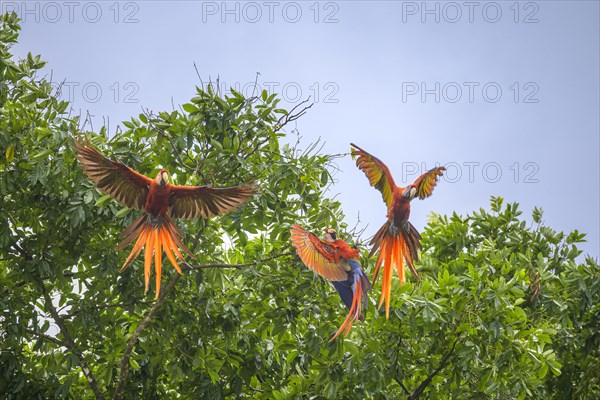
(163,134)
(199,77)
(290,116)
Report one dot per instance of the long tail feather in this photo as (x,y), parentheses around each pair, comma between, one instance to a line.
(137,248)
(358,301)
(132,232)
(148,259)
(167,248)
(157,259)
(396,245)
(153,236)
(174,235)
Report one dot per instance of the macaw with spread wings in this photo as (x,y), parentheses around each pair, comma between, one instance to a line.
(160,201)
(397,239)
(337,262)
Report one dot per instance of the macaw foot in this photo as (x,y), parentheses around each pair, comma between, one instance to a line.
(405,226)
(394,230)
(155,221)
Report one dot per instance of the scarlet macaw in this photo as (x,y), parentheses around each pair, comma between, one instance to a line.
(398,239)
(337,262)
(160,201)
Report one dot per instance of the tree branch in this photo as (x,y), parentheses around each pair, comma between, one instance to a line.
(69,343)
(136,335)
(421,388)
(238,266)
(46,337)
(399,381)
(290,116)
(161,300)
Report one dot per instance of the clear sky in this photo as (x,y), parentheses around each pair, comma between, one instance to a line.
(506,93)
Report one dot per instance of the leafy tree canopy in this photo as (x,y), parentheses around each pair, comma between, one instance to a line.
(503,309)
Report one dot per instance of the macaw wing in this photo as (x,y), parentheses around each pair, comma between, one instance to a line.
(318,255)
(377,172)
(126,185)
(426,182)
(190,202)
(344,289)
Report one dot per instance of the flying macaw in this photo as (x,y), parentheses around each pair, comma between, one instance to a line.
(337,262)
(160,201)
(398,239)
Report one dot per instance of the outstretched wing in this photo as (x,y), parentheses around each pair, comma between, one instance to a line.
(318,255)
(426,182)
(126,185)
(377,172)
(190,202)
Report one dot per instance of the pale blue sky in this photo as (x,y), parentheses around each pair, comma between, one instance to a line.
(369,63)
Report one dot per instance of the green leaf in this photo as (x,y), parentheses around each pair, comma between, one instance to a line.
(10,153)
(189,107)
(100,202)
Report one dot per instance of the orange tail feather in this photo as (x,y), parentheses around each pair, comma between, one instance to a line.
(167,248)
(154,238)
(148,258)
(157,259)
(137,248)
(394,249)
(354,313)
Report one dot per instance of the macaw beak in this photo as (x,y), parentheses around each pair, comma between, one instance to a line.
(164,178)
(330,234)
(410,193)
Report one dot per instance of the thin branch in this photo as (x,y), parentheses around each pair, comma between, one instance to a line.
(290,116)
(46,337)
(65,274)
(105,306)
(238,266)
(161,300)
(150,117)
(421,388)
(198,74)
(252,98)
(69,343)
(136,335)
(399,381)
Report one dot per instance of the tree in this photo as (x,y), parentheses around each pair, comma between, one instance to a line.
(502,310)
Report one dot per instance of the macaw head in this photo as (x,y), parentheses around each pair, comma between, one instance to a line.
(330,235)
(410,192)
(163,177)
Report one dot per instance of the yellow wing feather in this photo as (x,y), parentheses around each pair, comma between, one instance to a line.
(318,255)
(427,181)
(376,171)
